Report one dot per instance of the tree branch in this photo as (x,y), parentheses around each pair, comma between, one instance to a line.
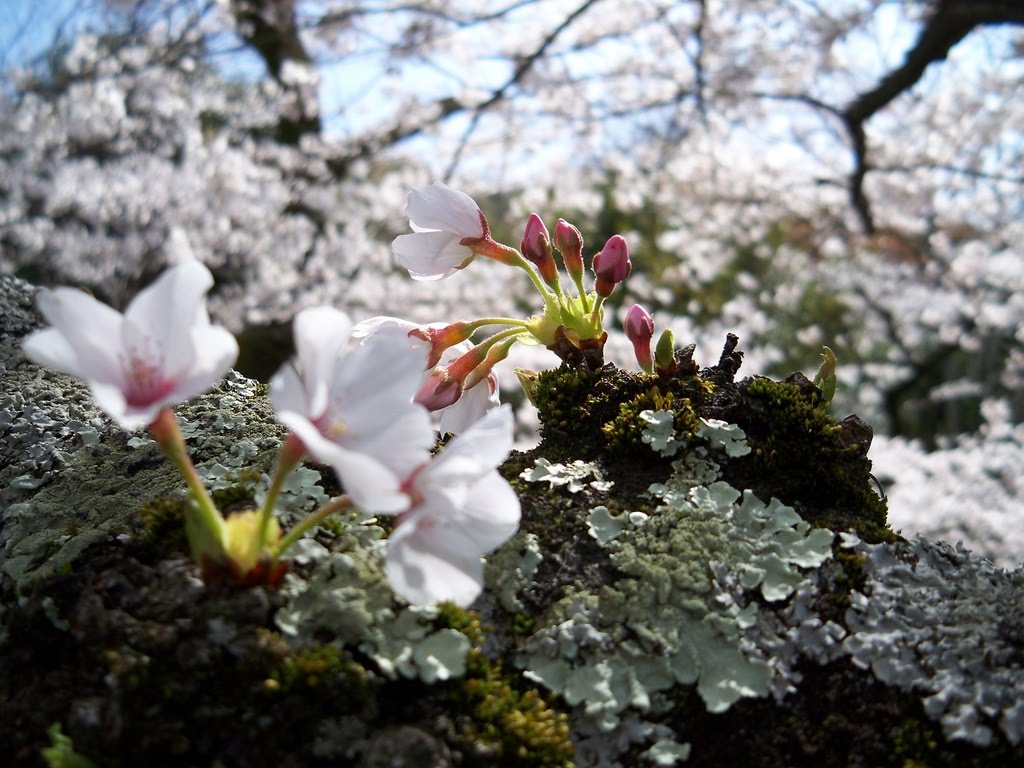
(951,22)
(270,28)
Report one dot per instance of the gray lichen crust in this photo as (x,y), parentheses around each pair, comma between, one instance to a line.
(935,620)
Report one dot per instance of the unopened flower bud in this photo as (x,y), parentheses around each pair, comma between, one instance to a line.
(443,338)
(536,247)
(439,390)
(445,384)
(611,265)
(569,243)
(665,353)
(639,328)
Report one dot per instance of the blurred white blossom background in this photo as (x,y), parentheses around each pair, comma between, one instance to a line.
(797,173)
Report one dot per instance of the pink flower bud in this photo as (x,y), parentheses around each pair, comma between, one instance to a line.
(439,390)
(569,243)
(536,247)
(444,385)
(639,328)
(611,265)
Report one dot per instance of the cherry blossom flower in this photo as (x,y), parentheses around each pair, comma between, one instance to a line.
(442,218)
(353,409)
(462,510)
(472,404)
(162,351)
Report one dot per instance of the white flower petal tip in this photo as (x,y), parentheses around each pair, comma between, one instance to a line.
(162,351)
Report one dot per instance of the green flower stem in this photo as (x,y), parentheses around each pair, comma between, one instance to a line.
(595,313)
(508,333)
(485,321)
(291,454)
(314,518)
(584,296)
(167,434)
(506,254)
(495,354)
(535,277)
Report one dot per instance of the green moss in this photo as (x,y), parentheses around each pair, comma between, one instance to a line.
(803,457)
(851,576)
(162,519)
(512,721)
(916,742)
(625,431)
(586,413)
(320,665)
(61,752)
(451,616)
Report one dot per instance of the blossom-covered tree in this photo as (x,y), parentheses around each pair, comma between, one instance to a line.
(794,172)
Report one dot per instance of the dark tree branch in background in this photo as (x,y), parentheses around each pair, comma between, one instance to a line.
(951,21)
(270,27)
(412,125)
(525,64)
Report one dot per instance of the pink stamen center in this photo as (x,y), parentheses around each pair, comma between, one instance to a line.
(145,383)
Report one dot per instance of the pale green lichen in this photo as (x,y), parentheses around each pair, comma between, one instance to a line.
(574,476)
(621,646)
(509,570)
(948,626)
(666,753)
(660,432)
(605,527)
(724,436)
(347,596)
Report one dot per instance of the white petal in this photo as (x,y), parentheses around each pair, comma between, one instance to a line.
(424,577)
(288,393)
(403,445)
(215,352)
(491,513)
(370,483)
(159,320)
(385,325)
(321,334)
(475,452)
(111,400)
(474,404)
(441,207)
(430,255)
(91,329)
(375,380)
(50,348)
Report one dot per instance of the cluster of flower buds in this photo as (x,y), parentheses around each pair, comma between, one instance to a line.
(450,232)
(349,399)
(639,327)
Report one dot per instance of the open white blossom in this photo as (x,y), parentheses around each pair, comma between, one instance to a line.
(463,509)
(441,218)
(353,409)
(162,351)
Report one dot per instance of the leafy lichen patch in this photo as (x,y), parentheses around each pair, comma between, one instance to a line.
(934,620)
(347,598)
(658,624)
(575,476)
